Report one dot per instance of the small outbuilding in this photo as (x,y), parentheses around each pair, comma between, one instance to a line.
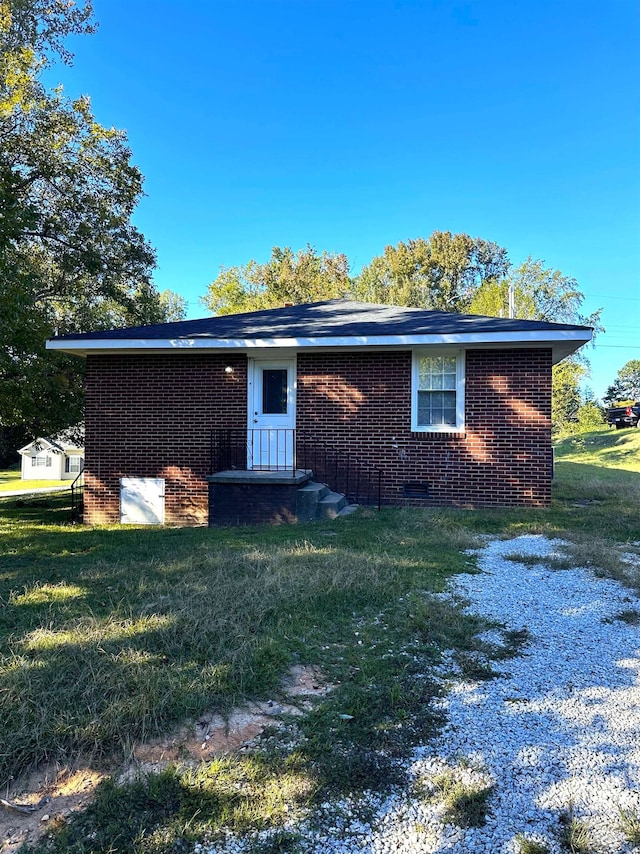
(59,457)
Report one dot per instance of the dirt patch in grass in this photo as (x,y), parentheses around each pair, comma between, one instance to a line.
(214,735)
(43,800)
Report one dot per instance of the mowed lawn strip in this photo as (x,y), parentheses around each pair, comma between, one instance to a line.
(11,481)
(112,635)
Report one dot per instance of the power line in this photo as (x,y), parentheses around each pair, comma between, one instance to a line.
(623,328)
(610,296)
(617,346)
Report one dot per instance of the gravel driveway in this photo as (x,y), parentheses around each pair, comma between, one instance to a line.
(557,734)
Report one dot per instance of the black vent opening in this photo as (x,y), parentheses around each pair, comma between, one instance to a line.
(415,489)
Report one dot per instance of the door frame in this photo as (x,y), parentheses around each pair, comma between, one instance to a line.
(255,420)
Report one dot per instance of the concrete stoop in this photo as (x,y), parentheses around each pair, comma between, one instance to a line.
(317,501)
(259,497)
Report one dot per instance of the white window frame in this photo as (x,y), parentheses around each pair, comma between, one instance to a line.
(460,383)
(73,464)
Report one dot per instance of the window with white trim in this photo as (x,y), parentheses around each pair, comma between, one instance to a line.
(41,461)
(73,464)
(437,403)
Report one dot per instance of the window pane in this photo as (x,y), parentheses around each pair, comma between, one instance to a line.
(436,408)
(424,411)
(437,372)
(437,391)
(274,391)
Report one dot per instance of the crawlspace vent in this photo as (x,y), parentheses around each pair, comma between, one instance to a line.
(415,489)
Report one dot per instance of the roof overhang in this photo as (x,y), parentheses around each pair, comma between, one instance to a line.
(562,342)
(39,445)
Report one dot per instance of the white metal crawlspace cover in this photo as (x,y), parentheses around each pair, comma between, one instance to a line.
(142,501)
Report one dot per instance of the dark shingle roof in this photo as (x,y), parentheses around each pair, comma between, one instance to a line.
(332,318)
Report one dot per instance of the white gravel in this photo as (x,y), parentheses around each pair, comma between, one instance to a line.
(557,732)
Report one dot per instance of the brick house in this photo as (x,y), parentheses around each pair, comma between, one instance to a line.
(185,421)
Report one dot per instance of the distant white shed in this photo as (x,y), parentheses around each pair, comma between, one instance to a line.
(59,457)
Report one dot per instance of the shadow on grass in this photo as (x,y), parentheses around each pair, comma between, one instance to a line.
(111,635)
(158,625)
(168,812)
(352,742)
(53,508)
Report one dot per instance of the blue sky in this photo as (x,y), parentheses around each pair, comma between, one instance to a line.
(351,125)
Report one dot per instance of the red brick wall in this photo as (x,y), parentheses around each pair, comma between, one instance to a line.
(151,416)
(362,402)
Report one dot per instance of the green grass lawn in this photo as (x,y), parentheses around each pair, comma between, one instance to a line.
(10,480)
(111,635)
(606,449)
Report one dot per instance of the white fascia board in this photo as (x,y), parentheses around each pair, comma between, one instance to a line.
(45,445)
(571,339)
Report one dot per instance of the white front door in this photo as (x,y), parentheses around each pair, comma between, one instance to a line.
(272,415)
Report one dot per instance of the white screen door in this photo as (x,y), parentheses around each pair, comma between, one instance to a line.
(272,416)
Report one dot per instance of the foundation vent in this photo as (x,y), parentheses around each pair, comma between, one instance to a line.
(415,489)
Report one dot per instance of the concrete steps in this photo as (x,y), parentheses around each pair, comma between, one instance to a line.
(317,501)
(331,505)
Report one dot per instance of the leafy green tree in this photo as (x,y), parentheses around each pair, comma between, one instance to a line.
(287,277)
(541,293)
(626,386)
(491,299)
(172,306)
(565,395)
(32,35)
(70,259)
(590,417)
(39,27)
(442,272)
